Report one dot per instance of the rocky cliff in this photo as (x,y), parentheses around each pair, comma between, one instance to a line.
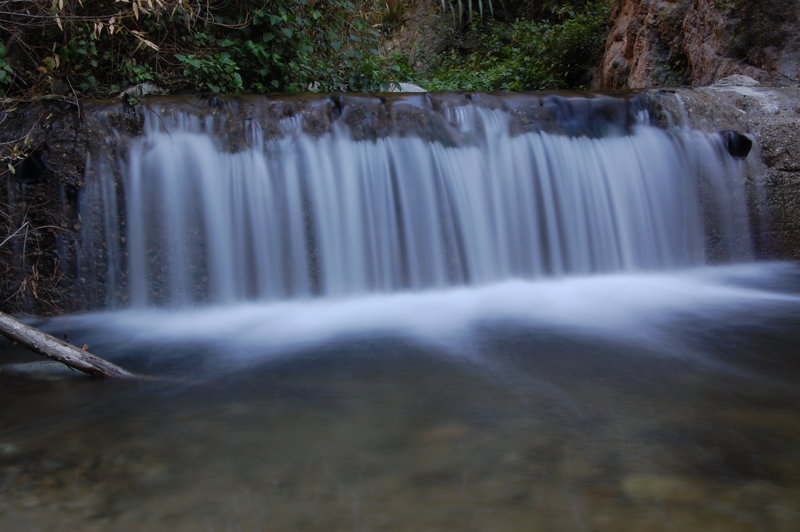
(657,43)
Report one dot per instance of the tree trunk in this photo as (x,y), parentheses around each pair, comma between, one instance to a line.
(52,347)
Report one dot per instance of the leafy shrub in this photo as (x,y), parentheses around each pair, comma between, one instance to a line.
(103,46)
(216,72)
(6,72)
(526,54)
(391,13)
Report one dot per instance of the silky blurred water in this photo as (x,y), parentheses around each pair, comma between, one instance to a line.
(182,220)
(641,402)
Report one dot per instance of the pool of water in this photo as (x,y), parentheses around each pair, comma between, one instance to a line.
(664,401)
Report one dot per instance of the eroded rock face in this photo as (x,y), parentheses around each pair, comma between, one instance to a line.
(657,43)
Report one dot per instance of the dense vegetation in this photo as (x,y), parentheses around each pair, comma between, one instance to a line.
(556,48)
(101,47)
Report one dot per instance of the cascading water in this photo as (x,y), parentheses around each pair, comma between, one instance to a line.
(296,215)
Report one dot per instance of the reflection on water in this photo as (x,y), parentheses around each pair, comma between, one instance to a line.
(653,402)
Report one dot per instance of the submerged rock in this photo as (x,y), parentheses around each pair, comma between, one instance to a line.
(8,450)
(648,487)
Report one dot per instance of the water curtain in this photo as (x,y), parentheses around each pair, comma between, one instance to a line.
(474,195)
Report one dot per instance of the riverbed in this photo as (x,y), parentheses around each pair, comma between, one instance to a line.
(637,402)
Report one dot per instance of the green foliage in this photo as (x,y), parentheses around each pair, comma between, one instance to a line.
(104,46)
(133,73)
(526,54)
(391,13)
(6,72)
(216,72)
(81,56)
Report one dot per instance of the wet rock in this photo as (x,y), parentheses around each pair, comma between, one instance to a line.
(736,80)
(738,145)
(141,90)
(405,87)
(765,115)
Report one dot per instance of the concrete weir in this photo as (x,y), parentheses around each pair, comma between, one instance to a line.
(66,231)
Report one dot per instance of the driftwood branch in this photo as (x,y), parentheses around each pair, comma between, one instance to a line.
(52,347)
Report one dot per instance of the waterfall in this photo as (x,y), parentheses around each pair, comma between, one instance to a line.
(334,213)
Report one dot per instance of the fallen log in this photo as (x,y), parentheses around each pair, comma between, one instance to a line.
(57,349)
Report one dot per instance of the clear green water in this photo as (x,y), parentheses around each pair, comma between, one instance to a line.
(515,423)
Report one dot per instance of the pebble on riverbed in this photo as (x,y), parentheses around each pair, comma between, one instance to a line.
(647,487)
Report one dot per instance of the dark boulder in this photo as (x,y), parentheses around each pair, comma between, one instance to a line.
(738,145)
